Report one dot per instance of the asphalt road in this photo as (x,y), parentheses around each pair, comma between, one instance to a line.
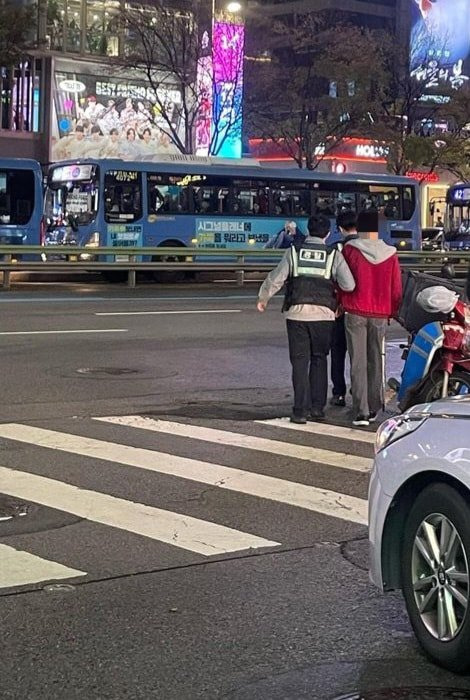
(162,553)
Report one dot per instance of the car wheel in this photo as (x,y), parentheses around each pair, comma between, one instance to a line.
(435,575)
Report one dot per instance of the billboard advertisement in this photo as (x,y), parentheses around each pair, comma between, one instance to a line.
(228,233)
(228,43)
(104,117)
(440,43)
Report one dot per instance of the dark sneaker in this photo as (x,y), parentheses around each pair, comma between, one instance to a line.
(361,421)
(338,401)
(316,414)
(299,420)
(373,417)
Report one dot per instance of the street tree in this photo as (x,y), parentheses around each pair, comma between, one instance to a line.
(173,56)
(423,124)
(314,90)
(17,32)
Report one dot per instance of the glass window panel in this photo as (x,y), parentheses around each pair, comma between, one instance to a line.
(55,24)
(74,26)
(102,35)
(250,198)
(386,200)
(122,196)
(168,194)
(16,196)
(291,199)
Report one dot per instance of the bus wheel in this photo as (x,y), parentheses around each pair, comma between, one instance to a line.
(170,276)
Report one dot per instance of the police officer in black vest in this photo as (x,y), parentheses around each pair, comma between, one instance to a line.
(310,270)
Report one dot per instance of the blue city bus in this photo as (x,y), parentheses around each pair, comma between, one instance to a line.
(457,218)
(21,201)
(188,201)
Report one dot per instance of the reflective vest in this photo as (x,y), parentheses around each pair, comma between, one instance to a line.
(310,280)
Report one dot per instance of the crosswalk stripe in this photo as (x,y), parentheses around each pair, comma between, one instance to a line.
(182,531)
(223,437)
(311,498)
(326,429)
(20,568)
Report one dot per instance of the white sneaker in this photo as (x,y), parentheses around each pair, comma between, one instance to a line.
(361,421)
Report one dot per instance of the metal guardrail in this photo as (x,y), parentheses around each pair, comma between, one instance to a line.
(180,259)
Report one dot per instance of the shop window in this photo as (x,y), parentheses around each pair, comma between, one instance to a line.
(74,26)
(102,24)
(55,24)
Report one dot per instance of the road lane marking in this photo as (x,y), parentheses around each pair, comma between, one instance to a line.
(325,429)
(166,313)
(18,568)
(182,531)
(93,330)
(318,500)
(223,437)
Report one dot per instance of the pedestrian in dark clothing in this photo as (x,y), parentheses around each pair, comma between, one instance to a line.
(347,226)
(311,271)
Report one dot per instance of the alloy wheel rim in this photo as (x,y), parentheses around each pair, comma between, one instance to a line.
(440,577)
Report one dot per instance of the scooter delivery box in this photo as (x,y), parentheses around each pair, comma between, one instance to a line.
(411,316)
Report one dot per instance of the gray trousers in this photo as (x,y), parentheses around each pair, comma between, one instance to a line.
(365,338)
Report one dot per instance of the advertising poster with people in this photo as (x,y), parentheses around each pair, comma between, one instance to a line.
(440,42)
(101,117)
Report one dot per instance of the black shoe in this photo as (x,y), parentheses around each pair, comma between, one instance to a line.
(299,420)
(373,417)
(316,415)
(338,401)
(361,421)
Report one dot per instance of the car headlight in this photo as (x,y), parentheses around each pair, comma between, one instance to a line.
(397,427)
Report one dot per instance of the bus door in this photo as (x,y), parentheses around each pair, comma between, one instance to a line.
(123,209)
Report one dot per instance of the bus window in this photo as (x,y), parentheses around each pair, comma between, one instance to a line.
(122,195)
(387,200)
(210,199)
(409,202)
(16,196)
(250,198)
(333,203)
(167,194)
(291,200)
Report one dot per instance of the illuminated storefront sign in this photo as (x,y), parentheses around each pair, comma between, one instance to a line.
(440,42)
(423,177)
(228,42)
(102,117)
(348,150)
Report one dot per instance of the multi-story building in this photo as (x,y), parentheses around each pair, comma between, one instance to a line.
(73,76)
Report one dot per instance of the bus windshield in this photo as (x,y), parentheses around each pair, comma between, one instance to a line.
(72,195)
(17,196)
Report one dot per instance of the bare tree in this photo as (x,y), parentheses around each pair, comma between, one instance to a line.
(315,89)
(169,51)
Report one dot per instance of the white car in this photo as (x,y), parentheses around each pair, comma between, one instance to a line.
(419,523)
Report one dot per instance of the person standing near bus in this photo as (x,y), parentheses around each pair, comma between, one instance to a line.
(311,271)
(347,226)
(375,299)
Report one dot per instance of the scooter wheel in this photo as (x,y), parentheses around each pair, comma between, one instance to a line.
(459,385)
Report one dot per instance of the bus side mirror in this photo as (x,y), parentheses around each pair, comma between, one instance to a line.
(432,208)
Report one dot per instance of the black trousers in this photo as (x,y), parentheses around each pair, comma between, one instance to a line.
(309,345)
(338,357)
